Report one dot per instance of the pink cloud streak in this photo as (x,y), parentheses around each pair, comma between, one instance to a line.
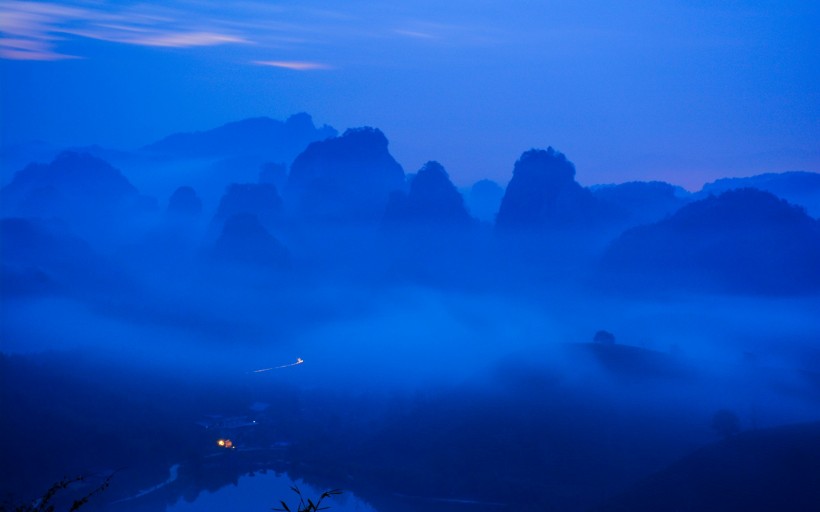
(293,64)
(30,30)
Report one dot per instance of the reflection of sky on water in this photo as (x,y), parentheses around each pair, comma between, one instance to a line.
(264,491)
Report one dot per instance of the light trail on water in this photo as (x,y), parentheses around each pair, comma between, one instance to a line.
(299,361)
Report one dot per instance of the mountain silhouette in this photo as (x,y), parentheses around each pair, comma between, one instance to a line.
(41,256)
(85,191)
(274,173)
(184,203)
(347,178)
(744,240)
(75,175)
(484,199)
(432,200)
(244,240)
(259,199)
(543,193)
(275,140)
(642,202)
(14,157)
(797,187)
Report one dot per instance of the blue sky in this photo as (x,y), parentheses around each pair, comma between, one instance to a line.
(673,90)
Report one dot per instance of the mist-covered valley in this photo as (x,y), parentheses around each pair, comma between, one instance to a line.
(354,324)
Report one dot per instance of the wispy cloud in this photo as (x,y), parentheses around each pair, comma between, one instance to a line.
(451,34)
(29,49)
(293,64)
(417,34)
(33,30)
(132,35)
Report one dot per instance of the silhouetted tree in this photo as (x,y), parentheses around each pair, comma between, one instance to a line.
(45,503)
(604,337)
(306,504)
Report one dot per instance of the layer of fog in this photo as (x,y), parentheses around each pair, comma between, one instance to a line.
(410,337)
(389,292)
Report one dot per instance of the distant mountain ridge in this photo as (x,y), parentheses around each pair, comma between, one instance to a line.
(79,173)
(643,202)
(92,197)
(75,187)
(744,240)
(277,140)
(43,256)
(797,187)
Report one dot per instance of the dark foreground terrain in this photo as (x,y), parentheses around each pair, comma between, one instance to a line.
(537,439)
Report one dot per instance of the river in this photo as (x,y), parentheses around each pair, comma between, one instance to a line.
(261,492)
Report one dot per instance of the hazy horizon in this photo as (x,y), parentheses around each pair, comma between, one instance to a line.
(679,92)
(396,277)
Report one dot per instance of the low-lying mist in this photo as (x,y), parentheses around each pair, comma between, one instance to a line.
(356,326)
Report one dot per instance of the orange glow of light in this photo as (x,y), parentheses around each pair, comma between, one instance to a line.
(228,443)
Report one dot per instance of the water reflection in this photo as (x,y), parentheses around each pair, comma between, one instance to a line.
(262,491)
